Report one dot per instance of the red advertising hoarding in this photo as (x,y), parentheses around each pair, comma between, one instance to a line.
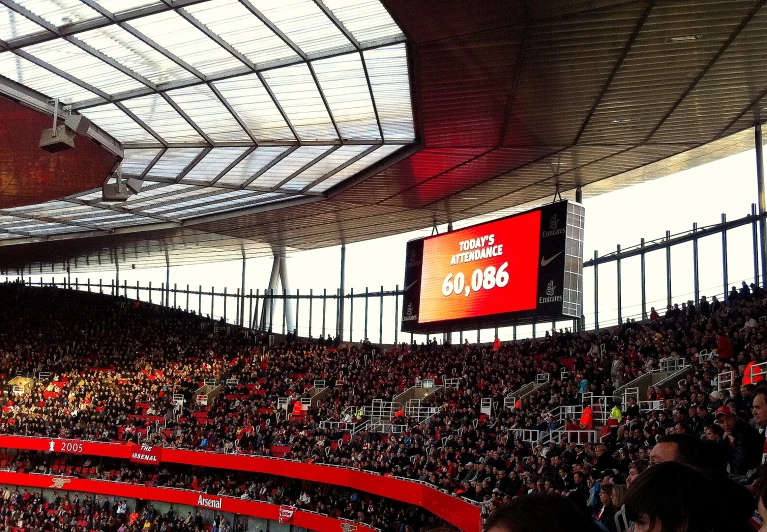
(455,511)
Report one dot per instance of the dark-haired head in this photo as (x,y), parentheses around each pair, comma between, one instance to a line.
(673,497)
(689,450)
(537,512)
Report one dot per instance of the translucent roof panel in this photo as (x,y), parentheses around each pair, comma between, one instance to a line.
(254,106)
(123,6)
(215,162)
(223,206)
(167,196)
(173,162)
(115,122)
(148,193)
(13,25)
(179,37)
(304,23)
(60,12)
(82,65)
(234,23)
(387,68)
(40,79)
(343,82)
(206,196)
(133,53)
(136,161)
(328,164)
(287,166)
(158,114)
(358,166)
(367,20)
(207,111)
(297,93)
(251,165)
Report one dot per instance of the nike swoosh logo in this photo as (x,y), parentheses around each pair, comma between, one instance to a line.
(545,261)
(408,287)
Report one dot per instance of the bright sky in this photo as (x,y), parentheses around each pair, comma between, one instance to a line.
(623,217)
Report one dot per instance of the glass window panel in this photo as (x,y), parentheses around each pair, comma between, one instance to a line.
(40,79)
(255,107)
(13,25)
(326,165)
(82,65)
(387,68)
(122,127)
(213,164)
(173,162)
(358,166)
(162,118)
(206,110)
(60,12)
(251,165)
(178,36)
(343,82)
(234,23)
(367,20)
(133,53)
(136,161)
(304,23)
(288,165)
(298,95)
(123,6)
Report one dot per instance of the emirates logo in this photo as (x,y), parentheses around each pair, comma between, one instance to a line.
(59,483)
(348,527)
(550,288)
(554,222)
(410,309)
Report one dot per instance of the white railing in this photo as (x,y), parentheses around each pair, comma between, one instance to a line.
(452,383)
(319,383)
(43,376)
(577,436)
(757,370)
(725,380)
(338,425)
(414,410)
(650,406)
(426,383)
(210,382)
(541,379)
(672,364)
(705,356)
(232,382)
(486,406)
(529,435)
(381,410)
(387,428)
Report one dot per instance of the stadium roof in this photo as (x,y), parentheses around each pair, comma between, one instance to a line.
(262,126)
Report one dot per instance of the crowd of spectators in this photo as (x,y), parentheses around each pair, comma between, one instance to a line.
(28,511)
(326,499)
(111,358)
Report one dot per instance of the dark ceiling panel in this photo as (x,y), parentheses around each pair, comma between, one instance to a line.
(568,60)
(658,69)
(30,175)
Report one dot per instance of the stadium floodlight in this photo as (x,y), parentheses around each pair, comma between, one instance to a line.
(120,190)
(62,137)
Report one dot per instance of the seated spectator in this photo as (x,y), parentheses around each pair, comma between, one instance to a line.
(539,512)
(675,497)
(746,444)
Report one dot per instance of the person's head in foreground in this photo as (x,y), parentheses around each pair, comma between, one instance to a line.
(539,512)
(674,497)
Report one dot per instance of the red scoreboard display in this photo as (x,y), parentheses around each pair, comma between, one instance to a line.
(503,272)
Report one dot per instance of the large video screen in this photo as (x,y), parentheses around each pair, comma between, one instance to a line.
(518,269)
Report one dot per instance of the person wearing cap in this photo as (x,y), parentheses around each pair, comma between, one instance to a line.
(745,442)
